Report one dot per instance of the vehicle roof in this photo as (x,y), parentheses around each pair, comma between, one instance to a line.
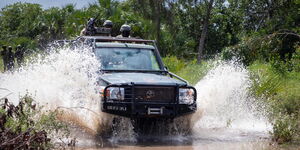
(129,45)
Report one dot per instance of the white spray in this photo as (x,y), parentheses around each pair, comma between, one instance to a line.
(64,79)
(226,106)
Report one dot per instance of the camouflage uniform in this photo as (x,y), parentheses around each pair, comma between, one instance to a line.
(10,59)
(4,57)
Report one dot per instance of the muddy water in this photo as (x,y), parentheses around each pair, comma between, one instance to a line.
(228,116)
(201,146)
(247,142)
(220,140)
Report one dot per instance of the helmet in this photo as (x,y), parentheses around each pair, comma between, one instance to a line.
(19,46)
(125,30)
(108,24)
(4,46)
(91,19)
(125,27)
(91,22)
(9,48)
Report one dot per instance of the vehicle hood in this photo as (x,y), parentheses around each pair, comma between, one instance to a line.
(139,78)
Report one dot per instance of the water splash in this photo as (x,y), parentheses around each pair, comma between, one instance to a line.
(123,131)
(65,79)
(226,106)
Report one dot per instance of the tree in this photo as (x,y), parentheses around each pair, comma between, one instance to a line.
(19,23)
(209,6)
(155,10)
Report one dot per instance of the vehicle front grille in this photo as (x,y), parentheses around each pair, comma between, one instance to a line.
(151,94)
(128,94)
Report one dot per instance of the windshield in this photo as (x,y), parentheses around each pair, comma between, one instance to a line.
(126,59)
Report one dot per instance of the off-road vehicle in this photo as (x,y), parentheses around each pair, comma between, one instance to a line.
(134,81)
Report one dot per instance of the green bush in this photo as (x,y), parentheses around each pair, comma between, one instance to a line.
(193,72)
(247,51)
(281,94)
(295,60)
(188,70)
(173,63)
(284,128)
(275,48)
(25,126)
(288,65)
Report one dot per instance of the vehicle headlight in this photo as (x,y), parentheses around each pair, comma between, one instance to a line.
(115,93)
(186,96)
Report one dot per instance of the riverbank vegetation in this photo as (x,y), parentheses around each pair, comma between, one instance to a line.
(263,35)
(25,126)
(280,90)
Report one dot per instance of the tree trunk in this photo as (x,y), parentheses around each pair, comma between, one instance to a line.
(158,35)
(156,10)
(204,31)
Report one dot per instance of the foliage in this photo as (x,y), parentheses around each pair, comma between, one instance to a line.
(281,93)
(25,126)
(176,25)
(193,72)
(264,35)
(275,48)
(173,63)
(284,128)
(188,70)
(294,63)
